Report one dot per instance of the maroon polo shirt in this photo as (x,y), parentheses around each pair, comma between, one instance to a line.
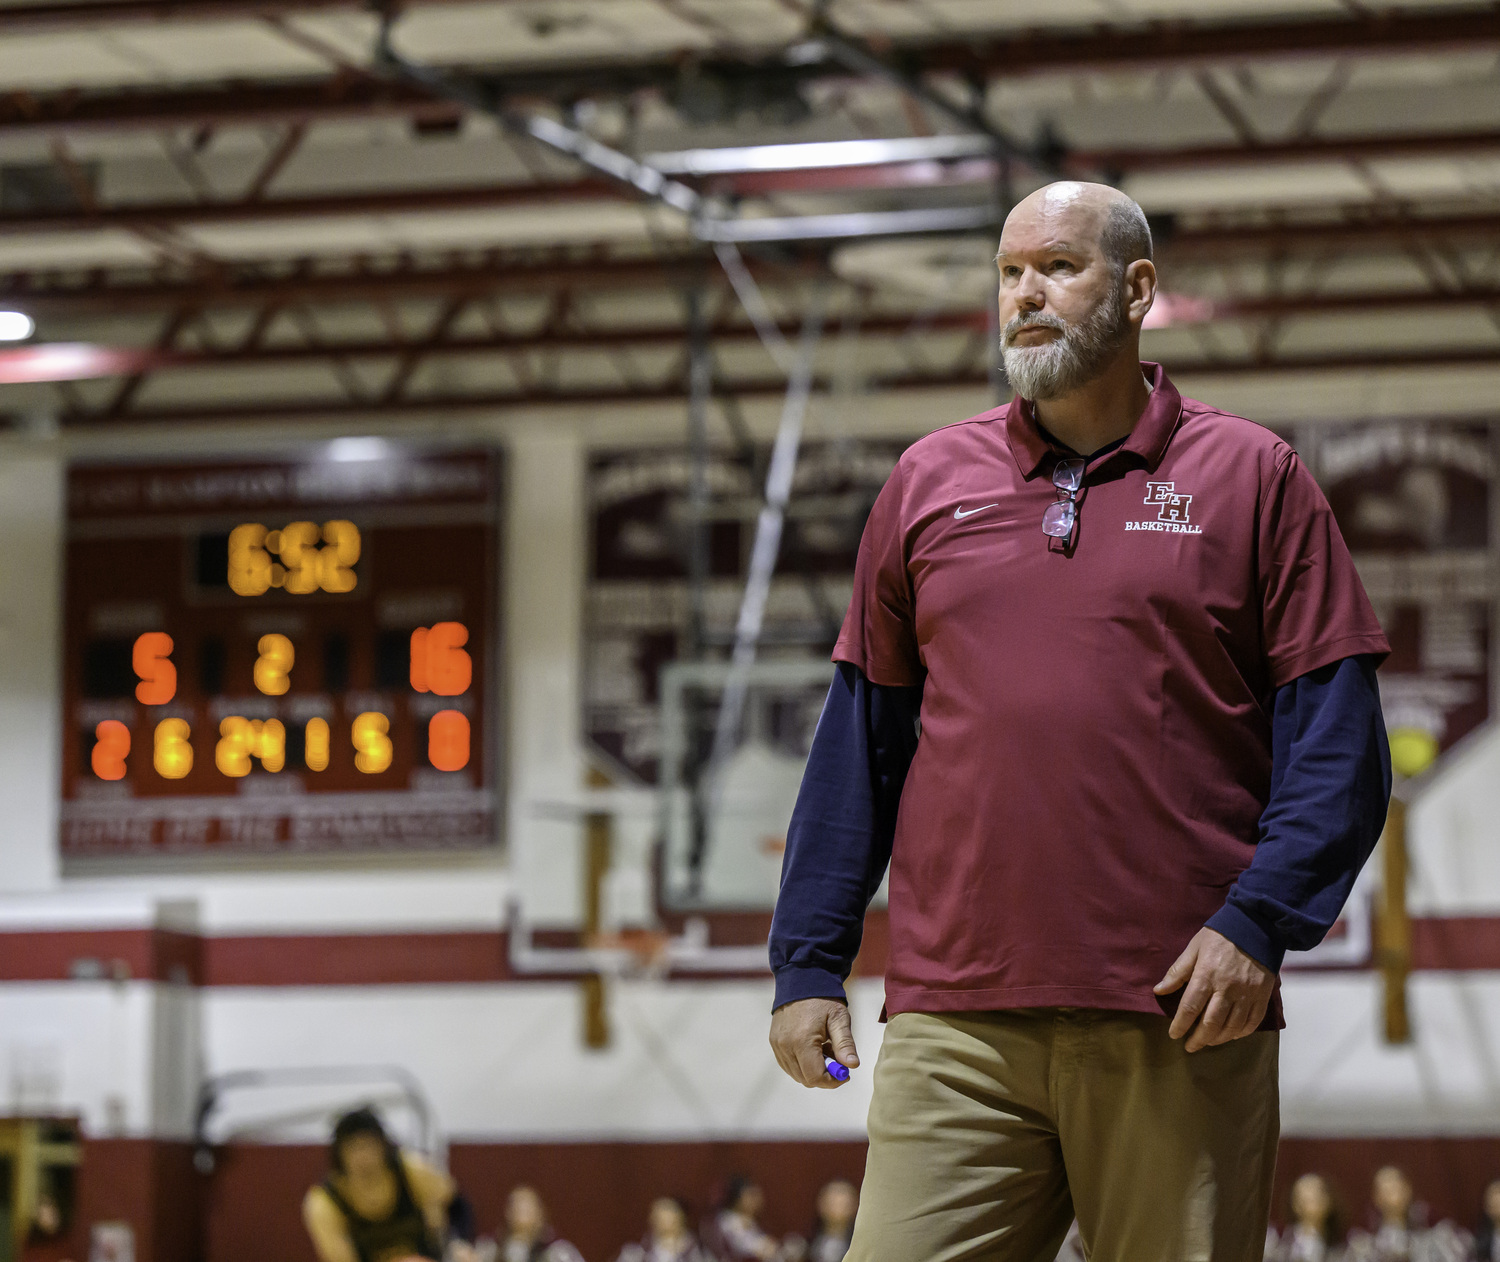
(1096,739)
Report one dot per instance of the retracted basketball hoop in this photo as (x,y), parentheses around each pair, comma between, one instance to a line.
(634,953)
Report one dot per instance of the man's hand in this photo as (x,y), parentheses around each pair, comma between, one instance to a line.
(805,1031)
(1225,987)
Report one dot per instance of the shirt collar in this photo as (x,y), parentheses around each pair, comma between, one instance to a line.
(1148,439)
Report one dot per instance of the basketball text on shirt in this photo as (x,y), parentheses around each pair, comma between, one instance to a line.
(1172,510)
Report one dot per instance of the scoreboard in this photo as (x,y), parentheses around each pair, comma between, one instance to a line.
(281,658)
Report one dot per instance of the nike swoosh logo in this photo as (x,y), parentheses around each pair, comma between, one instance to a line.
(959,514)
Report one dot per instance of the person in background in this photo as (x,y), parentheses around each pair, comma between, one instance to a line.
(667,1239)
(528,1236)
(837,1204)
(1402,1234)
(1315,1232)
(377,1203)
(1487,1238)
(735,1234)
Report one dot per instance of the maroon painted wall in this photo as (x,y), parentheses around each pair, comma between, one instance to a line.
(1448,1174)
(599,1193)
(147,1183)
(253,1204)
(248,1210)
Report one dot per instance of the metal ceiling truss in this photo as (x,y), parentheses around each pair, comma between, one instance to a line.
(561,352)
(537,394)
(356,93)
(255,206)
(555,334)
(1151,43)
(950,78)
(333,279)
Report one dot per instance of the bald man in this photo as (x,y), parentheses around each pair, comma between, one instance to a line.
(1106,707)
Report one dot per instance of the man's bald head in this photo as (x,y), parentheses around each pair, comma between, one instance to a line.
(1076,280)
(1104,214)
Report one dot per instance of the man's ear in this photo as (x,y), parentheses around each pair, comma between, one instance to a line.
(1140,289)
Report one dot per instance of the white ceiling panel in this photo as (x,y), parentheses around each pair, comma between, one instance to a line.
(43,62)
(32,251)
(1466,178)
(561,224)
(195,51)
(1291,185)
(1225,10)
(978,15)
(510,34)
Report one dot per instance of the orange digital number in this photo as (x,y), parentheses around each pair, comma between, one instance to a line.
(151,658)
(242,739)
(336,561)
(297,546)
(172,756)
(439,662)
(372,745)
(303,567)
(448,740)
(277,656)
(315,745)
(249,563)
(111,745)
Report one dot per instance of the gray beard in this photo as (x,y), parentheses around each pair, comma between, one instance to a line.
(1059,367)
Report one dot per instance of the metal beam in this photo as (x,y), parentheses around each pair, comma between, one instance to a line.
(180,214)
(339,96)
(120,361)
(46,361)
(355,280)
(1153,43)
(969,171)
(1359,229)
(349,280)
(21,18)
(675,392)
(979,57)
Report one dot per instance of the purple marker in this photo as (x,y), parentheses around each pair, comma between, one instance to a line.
(835,1071)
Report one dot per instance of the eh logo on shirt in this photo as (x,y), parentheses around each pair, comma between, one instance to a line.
(1172,510)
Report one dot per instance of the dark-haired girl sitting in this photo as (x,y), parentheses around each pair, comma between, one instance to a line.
(377,1203)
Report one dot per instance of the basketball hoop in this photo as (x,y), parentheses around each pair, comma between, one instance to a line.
(647,950)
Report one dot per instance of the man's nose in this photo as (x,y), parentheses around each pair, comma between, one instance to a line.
(1030,294)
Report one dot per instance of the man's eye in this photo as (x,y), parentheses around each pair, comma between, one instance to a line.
(1057,263)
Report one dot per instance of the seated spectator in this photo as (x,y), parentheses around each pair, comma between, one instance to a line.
(838,1202)
(1315,1230)
(1487,1238)
(735,1233)
(377,1203)
(527,1235)
(1402,1234)
(667,1236)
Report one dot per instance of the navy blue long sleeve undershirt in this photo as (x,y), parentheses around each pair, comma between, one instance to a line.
(1330,783)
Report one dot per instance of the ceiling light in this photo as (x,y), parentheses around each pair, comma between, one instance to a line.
(878,223)
(72,361)
(1170,309)
(351,449)
(16,326)
(819,153)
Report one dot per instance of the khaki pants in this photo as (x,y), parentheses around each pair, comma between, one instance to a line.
(990,1131)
